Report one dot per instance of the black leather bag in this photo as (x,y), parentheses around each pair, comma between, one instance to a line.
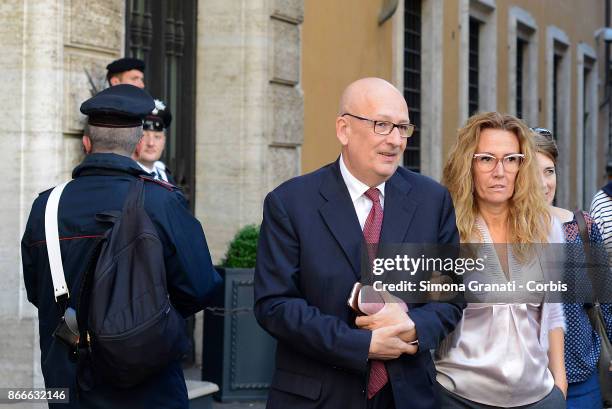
(604,365)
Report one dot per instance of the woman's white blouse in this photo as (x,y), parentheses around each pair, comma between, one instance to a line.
(498,352)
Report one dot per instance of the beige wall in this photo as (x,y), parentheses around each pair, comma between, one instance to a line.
(48,49)
(450,87)
(341,42)
(248,58)
(579,21)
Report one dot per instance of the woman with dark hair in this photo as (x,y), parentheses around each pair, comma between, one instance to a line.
(503,353)
(582,343)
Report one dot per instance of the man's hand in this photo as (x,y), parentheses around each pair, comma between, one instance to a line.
(390,314)
(386,342)
(393,313)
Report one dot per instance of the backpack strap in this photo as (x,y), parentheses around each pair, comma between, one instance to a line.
(586,240)
(166,185)
(586,244)
(135,196)
(82,352)
(584,231)
(60,288)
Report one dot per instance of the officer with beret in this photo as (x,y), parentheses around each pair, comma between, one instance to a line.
(151,146)
(100,183)
(126,71)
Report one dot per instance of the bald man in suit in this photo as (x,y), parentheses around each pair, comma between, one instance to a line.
(309,258)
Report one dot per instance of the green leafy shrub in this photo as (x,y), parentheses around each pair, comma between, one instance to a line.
(243,248)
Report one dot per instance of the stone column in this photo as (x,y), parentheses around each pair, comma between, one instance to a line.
(249,110)
(48,46)
(249,113)
(30,148)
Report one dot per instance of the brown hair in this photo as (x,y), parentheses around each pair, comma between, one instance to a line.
(546,145)
(529,220)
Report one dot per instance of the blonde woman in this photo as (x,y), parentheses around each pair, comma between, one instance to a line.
(501,354)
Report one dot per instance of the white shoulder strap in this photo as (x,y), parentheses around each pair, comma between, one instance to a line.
(53,245)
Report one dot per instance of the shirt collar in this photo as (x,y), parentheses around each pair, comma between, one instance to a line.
(146,169)
(356,187)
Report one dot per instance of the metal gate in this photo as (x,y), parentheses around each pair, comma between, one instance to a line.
(163,34)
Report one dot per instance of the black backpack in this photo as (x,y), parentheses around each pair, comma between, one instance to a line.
(129,330)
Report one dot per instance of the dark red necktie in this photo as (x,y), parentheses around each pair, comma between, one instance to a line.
(371,233)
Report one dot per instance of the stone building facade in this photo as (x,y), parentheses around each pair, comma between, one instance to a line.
(248,125)
(543,61)
(268,76)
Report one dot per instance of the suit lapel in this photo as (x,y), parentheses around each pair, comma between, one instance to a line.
(399,210)
(339,215)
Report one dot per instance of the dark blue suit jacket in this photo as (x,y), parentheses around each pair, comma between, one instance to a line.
(308,260)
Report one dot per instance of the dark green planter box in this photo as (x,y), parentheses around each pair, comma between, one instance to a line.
(237,354)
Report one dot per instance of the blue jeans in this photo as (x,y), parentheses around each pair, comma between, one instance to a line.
(585,394)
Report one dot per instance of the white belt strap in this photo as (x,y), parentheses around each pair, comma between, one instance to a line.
(53,245)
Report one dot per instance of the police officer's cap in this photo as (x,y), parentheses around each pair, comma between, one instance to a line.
(124,64)
(121,106)
(159,118)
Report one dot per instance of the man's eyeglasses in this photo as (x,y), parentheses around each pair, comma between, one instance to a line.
(487,162)
(386,127)
(544,132)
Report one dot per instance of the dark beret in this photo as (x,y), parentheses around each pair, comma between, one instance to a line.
(121,106)
(124,64)
(159,118)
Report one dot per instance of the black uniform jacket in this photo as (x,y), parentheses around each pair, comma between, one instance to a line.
(101,183)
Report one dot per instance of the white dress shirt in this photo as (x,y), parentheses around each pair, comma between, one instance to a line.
(158,171)
(357,189)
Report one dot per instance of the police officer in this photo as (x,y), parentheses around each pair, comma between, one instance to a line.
(151,146)
(126,71)
(131,71)
(100,184)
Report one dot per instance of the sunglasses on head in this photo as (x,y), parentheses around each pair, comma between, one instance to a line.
(543,131)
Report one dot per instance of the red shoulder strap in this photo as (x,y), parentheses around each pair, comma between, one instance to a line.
(162,183)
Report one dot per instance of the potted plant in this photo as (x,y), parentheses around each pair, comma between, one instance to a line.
(242,249)
(237,354)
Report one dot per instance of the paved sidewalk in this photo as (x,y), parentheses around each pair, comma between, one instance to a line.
(239,405)
(194,373)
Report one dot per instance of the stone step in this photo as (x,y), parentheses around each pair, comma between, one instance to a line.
(200,393)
